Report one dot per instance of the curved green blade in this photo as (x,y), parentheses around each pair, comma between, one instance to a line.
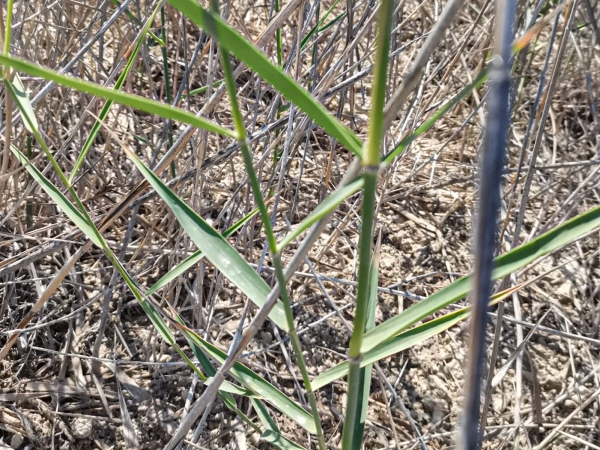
(257,61)
(134,101)
(195,257)
(25,102)
(256,383)
(324,208)
(214,246)
(505,265)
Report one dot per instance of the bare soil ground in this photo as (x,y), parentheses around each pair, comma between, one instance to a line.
(91,358)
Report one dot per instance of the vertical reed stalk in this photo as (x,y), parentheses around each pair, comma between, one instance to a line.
(7,29)
(7,101)
(371,159)
(238,121)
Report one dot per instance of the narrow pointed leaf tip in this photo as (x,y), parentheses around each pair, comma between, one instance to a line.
(19,90)
(134,101)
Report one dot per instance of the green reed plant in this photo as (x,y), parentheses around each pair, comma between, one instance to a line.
(89,142)
(369,342)
(271,240)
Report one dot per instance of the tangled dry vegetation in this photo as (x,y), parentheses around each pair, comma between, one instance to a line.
(91,368)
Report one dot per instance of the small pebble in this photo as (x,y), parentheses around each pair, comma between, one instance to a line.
(16,440)
(81,427)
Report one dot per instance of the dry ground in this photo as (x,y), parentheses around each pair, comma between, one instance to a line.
(91,345)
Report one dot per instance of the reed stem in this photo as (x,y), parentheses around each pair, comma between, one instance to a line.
(271,240)
(371,161)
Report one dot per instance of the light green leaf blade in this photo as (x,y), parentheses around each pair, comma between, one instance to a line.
(177,271)
(366,370)
(195,257)
(278,441)
(401,342)
(139,23)
(59,198)
(324,208)
(134,101)
(87,145)
(257,61)
(21,93)
(314,29)
(256,383)
(476,83)
(216,248)
(429,123)
(504,265)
